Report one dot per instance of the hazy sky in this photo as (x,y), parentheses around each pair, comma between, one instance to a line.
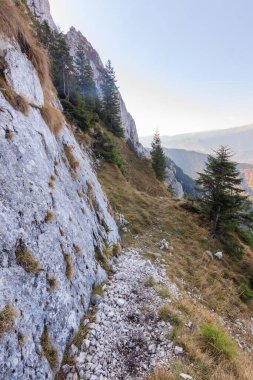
(182,65)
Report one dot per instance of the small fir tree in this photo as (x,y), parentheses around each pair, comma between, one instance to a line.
(220,197)
(158,157)
(110,102)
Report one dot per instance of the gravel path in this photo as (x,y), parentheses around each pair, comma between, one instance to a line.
(127,340)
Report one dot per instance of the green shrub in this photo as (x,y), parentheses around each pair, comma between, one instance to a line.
(246,293)
(104,147)
(231,246)
(217,342)
(246,236)
(77,113)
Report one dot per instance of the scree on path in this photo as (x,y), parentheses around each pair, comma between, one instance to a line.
(125,338)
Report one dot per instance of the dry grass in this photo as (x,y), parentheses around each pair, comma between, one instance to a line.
(49,216)
(69,266)
(150,282)
(9,135)
(160,374)
(7,318)
(52,282)
(73,162)
(53,118)
(77,248)
(17,101)
(49,350)
(116,249)
(26,260)
(13,24)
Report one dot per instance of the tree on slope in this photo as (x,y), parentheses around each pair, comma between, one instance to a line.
(85,79)
(221,198)
(110,102)
(158,157)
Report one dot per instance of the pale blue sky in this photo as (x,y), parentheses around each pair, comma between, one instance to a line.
(182,65)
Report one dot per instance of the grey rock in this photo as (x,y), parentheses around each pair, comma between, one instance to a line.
(27,162)
(178,350)
(96,300)
(120,302)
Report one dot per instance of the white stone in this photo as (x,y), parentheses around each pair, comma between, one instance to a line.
(219,255)
(120,302)
(178,350)
(185,376)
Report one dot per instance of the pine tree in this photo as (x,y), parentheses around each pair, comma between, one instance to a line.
(110,102)
(221,198)
(158,157)
(85,79)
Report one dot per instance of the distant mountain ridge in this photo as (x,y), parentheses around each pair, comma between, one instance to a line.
(192,163)
(239,139)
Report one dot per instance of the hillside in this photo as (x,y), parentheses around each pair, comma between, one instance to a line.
(104,274)
(238,139)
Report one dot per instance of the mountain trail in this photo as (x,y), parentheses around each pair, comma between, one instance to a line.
(125,337)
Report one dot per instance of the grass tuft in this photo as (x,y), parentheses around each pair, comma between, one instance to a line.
(73,162)
(53,118)
(69,266)
(7,319)
(246,293)
(150,282)
(17,101)
(9,134)
(49,216)
(217,342)
(77,248)
(26,260)
(166,314)
(160,374)
(49,350)
(116,249)
(53,283)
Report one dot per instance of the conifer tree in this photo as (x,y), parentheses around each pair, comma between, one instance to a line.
(85,79)
(158,157)
(221,198)
(110,102)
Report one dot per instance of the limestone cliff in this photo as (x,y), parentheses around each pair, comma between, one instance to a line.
(41,9)
(53,219)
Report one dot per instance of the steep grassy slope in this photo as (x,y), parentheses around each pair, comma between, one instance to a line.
(211,288)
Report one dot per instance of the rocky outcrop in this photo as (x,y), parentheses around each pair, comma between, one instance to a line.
(53,219)
(75,40)
(172,182)
(41,10)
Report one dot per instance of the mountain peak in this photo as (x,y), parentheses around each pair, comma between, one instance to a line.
(41,10)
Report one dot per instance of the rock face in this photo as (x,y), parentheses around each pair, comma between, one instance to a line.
(52,220)
(41,9)
(172,182)
(76,39)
